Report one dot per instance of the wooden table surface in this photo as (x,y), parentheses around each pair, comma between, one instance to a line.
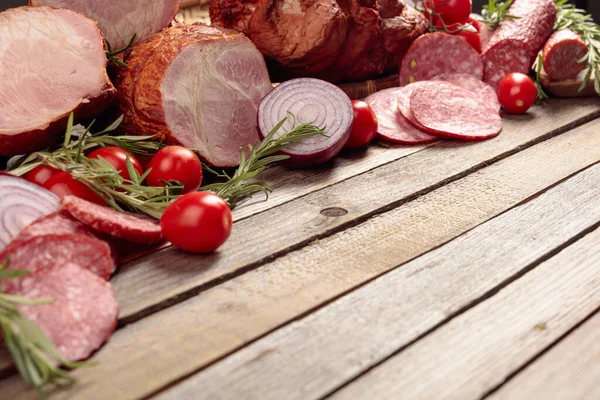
(447,271)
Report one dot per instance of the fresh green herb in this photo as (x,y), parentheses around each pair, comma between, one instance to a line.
(537,66)
(113,56)
(495,12)
(133,195)
(242,184)
(34,355)
(583,24)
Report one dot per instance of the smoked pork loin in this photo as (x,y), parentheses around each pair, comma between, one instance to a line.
(52,63)
(196,86)
(336,40)
(119,20)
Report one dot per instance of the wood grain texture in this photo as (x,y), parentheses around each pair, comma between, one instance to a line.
(312,356)
(478,350)
(568,371)
(169,276)
(136,362)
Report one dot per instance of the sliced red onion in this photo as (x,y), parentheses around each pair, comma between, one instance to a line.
(310,101)
(21,203)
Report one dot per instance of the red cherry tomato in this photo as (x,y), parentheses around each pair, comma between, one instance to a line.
(472,37)
(40,174)
(63,184)
(474,23)
(198,222)
(364,126)
(517,93)
(176,163)
(451,11)
(117,157)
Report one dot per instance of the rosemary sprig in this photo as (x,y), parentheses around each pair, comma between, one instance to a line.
(242,185)
(583,24)
(112,56)
(537,67)
(495,12)
(34,355)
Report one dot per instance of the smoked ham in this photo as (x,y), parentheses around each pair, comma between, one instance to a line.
(119,20)
(52,63)
(196,86)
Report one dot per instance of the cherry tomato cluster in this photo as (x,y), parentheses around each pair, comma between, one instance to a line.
(196,222)
(454,17)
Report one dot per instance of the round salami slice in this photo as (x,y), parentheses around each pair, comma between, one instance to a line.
(49,251)
(83,314)
(392,126)
(404,106)
(472,84)
(133,227)
(451,111)
(438,53)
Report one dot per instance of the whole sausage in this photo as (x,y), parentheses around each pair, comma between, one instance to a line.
(562,53)
(517,41)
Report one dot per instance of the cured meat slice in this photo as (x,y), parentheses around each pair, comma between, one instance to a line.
(473,84)
(195,86)
(119,20)
(21,203)
(56,68)
(404,106)
(437,53)
(454,112)
(62,223)
(562,53)
(516,43)
(392,125)
(50,251)
(133,227)
(83,314)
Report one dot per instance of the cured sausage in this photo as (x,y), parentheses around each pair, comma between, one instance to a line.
(472,84)
(562,53)
(133,227)
(392,125)
(49,251)
(83,314)
(516,43)
(437,53)
(455,113)
(403,97)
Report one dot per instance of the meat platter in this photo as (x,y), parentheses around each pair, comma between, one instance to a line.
(126,133)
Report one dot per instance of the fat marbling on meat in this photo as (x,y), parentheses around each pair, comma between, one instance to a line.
(52,63)
(119,20)
(196,86)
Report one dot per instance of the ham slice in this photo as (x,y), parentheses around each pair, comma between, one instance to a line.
(196,86)
(52,63)
(119,20)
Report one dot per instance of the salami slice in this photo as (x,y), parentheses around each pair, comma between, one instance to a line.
(562,53)
(515,44)
(133,227)
(454,112)
(437,53)
(404,107)
(392,125)
(472,84)
(50,251)
(84,312)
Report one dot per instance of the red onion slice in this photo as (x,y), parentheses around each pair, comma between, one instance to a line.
(310,101)
(21,203)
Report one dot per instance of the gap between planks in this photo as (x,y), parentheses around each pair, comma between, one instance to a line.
(479,349)
(309,358)
(168,277)
(267,298)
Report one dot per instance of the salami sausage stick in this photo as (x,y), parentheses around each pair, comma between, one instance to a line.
(561,54)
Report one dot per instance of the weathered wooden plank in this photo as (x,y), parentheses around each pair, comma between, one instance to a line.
(478,350)
(136,360)
(313,356)
(568,371)
(168,276)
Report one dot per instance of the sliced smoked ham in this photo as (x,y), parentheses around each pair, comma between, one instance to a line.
(119,20)
(52,63)
(196,86)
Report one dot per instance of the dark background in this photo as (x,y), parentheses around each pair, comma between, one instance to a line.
(594,5)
